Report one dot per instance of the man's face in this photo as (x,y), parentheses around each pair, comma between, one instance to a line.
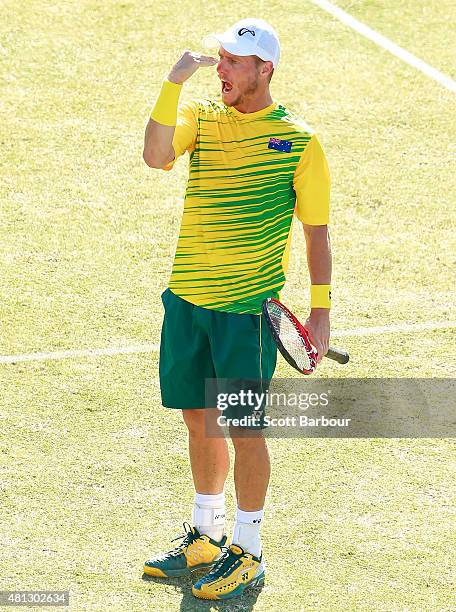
(239,76)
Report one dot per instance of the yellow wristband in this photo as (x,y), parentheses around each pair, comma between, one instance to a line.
(320,296)
(165,109)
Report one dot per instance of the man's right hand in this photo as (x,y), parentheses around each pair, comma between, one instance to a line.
(188,65)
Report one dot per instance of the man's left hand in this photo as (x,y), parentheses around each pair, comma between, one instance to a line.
(318,327)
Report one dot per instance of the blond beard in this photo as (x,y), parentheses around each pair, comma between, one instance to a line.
(250,90)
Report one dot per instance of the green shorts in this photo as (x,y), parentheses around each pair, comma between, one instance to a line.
(198,343)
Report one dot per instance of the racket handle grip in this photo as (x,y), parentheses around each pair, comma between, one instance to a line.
(336,355)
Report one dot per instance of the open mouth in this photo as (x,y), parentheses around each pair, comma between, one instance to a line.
(226,87)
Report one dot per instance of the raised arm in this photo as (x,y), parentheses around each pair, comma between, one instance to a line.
(158,139)
(158,150)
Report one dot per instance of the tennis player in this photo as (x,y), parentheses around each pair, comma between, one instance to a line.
(253,165)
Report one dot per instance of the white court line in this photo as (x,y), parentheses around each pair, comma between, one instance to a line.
(153,348)
(142,348)
(387,44)
(394,329)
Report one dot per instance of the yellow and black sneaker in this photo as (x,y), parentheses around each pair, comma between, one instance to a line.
(196,551)
(234,572)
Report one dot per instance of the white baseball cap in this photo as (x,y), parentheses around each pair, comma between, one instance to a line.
(249,37)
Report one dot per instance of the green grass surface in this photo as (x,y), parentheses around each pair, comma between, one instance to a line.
(93,471)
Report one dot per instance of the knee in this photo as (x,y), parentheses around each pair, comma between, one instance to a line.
(194,420)
(244,438)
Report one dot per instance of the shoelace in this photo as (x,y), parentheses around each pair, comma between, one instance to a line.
(225,562)
(187,538)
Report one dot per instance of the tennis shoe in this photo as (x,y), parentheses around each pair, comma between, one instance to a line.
(235,571)
(196,551)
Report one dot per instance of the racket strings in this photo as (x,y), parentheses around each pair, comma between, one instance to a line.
(289,336)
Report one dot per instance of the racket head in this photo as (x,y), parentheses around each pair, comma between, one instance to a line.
(290,336)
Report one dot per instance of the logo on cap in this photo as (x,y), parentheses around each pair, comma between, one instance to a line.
(243,31)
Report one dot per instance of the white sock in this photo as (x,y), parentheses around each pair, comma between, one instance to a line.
(247,531)
(209,515)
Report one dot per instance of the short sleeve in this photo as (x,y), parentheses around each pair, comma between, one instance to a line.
(186,131)
(312,183)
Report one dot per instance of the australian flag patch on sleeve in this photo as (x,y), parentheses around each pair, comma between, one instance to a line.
(280,145)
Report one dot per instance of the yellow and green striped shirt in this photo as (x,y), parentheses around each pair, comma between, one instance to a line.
(248,174)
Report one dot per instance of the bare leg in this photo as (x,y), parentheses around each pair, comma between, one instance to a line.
(209,458)
(252,468)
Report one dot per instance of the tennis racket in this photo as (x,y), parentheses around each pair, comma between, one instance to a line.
(292,338)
